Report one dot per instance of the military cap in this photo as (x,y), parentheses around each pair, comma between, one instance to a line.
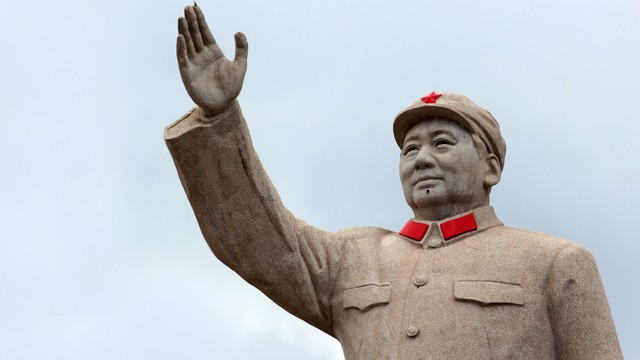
(458,108)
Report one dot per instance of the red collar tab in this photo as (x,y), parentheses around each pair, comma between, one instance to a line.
(458,226)
(450,229)
(431,98)
(414,230)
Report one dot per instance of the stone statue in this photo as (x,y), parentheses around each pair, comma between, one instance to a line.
(454,283)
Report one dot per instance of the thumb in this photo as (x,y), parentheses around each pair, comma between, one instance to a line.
(242,47)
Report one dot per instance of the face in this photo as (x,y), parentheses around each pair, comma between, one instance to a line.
(441,171)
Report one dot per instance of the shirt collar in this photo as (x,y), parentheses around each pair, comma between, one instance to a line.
(446,231)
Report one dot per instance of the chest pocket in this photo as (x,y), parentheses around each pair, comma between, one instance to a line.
(489,292)
(366,296)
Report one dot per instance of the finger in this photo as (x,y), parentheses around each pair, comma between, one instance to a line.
(242,47)
(183,29)
(192,20)
(181,52)
(207,36)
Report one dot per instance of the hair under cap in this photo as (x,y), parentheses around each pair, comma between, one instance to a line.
(454,107)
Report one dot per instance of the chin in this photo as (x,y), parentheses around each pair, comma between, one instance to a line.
(427,201)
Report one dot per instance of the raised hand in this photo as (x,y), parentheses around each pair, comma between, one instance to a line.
(212,81)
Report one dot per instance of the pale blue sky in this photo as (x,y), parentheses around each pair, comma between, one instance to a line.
(100,255)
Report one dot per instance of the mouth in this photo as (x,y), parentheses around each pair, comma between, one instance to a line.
(427,179)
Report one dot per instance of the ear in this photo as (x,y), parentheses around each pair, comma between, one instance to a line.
(493,171)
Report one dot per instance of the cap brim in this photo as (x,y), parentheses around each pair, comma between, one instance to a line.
(413,115)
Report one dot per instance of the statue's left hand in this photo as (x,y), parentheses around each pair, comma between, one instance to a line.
(212,81)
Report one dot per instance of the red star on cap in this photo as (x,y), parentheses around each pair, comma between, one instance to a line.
(431,98)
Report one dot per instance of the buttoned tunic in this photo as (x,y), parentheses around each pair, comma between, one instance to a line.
(491,293)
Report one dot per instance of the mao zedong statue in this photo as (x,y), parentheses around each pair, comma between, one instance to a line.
(454,283)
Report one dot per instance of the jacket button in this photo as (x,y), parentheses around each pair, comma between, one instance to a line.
(434,243)
(412,331)
(419,280)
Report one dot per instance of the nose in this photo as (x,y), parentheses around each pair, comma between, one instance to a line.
(424,160)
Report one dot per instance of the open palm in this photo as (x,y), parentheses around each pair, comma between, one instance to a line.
(212,81)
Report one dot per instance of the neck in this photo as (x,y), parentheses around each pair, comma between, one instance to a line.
(436,213)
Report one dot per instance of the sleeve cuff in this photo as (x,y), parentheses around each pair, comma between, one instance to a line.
(197,118)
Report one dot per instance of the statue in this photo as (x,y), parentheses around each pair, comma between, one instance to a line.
(454,283)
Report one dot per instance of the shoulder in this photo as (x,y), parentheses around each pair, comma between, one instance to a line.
(526,245)
(368,233)
(530,239)
(364,238)
(540,253)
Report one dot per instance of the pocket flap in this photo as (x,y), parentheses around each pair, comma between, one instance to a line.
(489,292)
(366,296)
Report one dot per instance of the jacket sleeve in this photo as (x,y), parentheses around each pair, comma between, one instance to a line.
(243,220)
(579,310)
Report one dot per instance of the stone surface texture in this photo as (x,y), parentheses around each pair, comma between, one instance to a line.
(493,293)
(455,283)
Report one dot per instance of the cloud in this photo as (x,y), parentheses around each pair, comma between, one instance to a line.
(100,255)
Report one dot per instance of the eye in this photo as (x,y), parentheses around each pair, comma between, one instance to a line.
(409,149)
(442,142)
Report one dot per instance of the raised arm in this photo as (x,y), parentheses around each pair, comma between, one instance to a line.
(238,209)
